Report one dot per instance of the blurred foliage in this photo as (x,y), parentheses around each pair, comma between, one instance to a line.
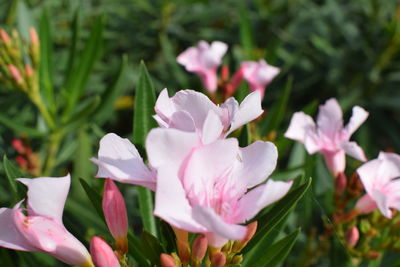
(332,48)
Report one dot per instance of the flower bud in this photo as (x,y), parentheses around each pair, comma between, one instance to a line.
(340,183)
(237,259)
(218,259)
(28,70)
(199,248)
(4,36)
(115,214)
(225,73)
(34,36)
(167,260)
(102,254)
(352,236)
(251,230)
(15,74)
(182,243)
(18,145)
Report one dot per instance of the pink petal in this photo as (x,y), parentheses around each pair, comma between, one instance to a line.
(335,161)
(50,236)
(207,164)
(171,203)
(390,167)
(9,235)
(209,79)
(300,125)
(169,146)
(218,50)
(182,120)
(196,104)
(257,162)
(382,202)
(207,217)
(212,128)
(369,175)
(330,118)
(249,109)
(47,196)
(164,106)
(102,253)
(358,117)
(366,204)
(259,198)
(352,149)
(190,59)
(119,160)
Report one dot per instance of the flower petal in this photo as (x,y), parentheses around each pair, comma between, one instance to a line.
(119,160)
(357,118)
(171,203)
(169,146)
(330,118)
(9,235)
(207,217)
(212,128)
(259,198)
(257,162)
(249,109)
(164,106)
(352,149)
(369,175)
(366,204)
(300,125)
(47,196)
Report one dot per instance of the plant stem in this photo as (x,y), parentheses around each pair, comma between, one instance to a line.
(55,140)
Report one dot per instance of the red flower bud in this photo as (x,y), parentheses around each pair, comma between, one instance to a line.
(102,254)
(352,236)
(167,260)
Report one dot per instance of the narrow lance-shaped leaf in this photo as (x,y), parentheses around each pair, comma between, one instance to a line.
(275,254)
(142,123)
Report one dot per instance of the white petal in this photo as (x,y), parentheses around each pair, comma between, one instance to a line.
(300,125)
(249,109)
(357,118)
(47,196)
(352,149)
(330,118)
(212,128)
(171,203)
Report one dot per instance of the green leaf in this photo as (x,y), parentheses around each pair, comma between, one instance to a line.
(77,82)
(271,219)
(80,117)
(145,100)
(135,250)
(19,128)
(73,49)
(94,197)
(246,35)
(24,19)
(151,248)
(46,61)
(245,136)
(276,115)
(275,254)
(142,123)
(12,172)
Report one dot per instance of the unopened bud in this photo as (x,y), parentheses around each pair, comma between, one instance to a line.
(373,255)
(167,260)
(4,36)
(28,70)
(115,214)
(218,259)
(22,162)
(18,145)
(251,230)
(225,73)
(102,253)
(34,36)
(15,74)
(182,243)
(235,82)
(352,236)
(199,248)
(340,183)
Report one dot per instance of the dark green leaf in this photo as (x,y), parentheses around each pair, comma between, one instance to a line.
(18,128)
(94,197)
(274,255)
(245,136)
(135,250)
(151,248)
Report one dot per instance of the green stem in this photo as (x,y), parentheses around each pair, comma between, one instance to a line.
(55,140)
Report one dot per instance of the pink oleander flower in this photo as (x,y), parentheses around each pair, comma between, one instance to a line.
(102,253)
(204,60)
(258,74)
(119,160)
(192,111)
(380,180)
(42,228)
(115,214)
(204,188)
(328,135)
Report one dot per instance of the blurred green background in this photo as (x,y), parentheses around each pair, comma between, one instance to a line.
(333,48)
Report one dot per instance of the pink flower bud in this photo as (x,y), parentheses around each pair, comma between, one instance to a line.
(225,73)
(235,82)
(182,243)
(28,70)
(167,260)
(4,36)
(251,230)
(115,214)
(199,247)
(352,236)
(18,145)
(34,36)
(102,253)
(15,73)
(340,182)
(218,259)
